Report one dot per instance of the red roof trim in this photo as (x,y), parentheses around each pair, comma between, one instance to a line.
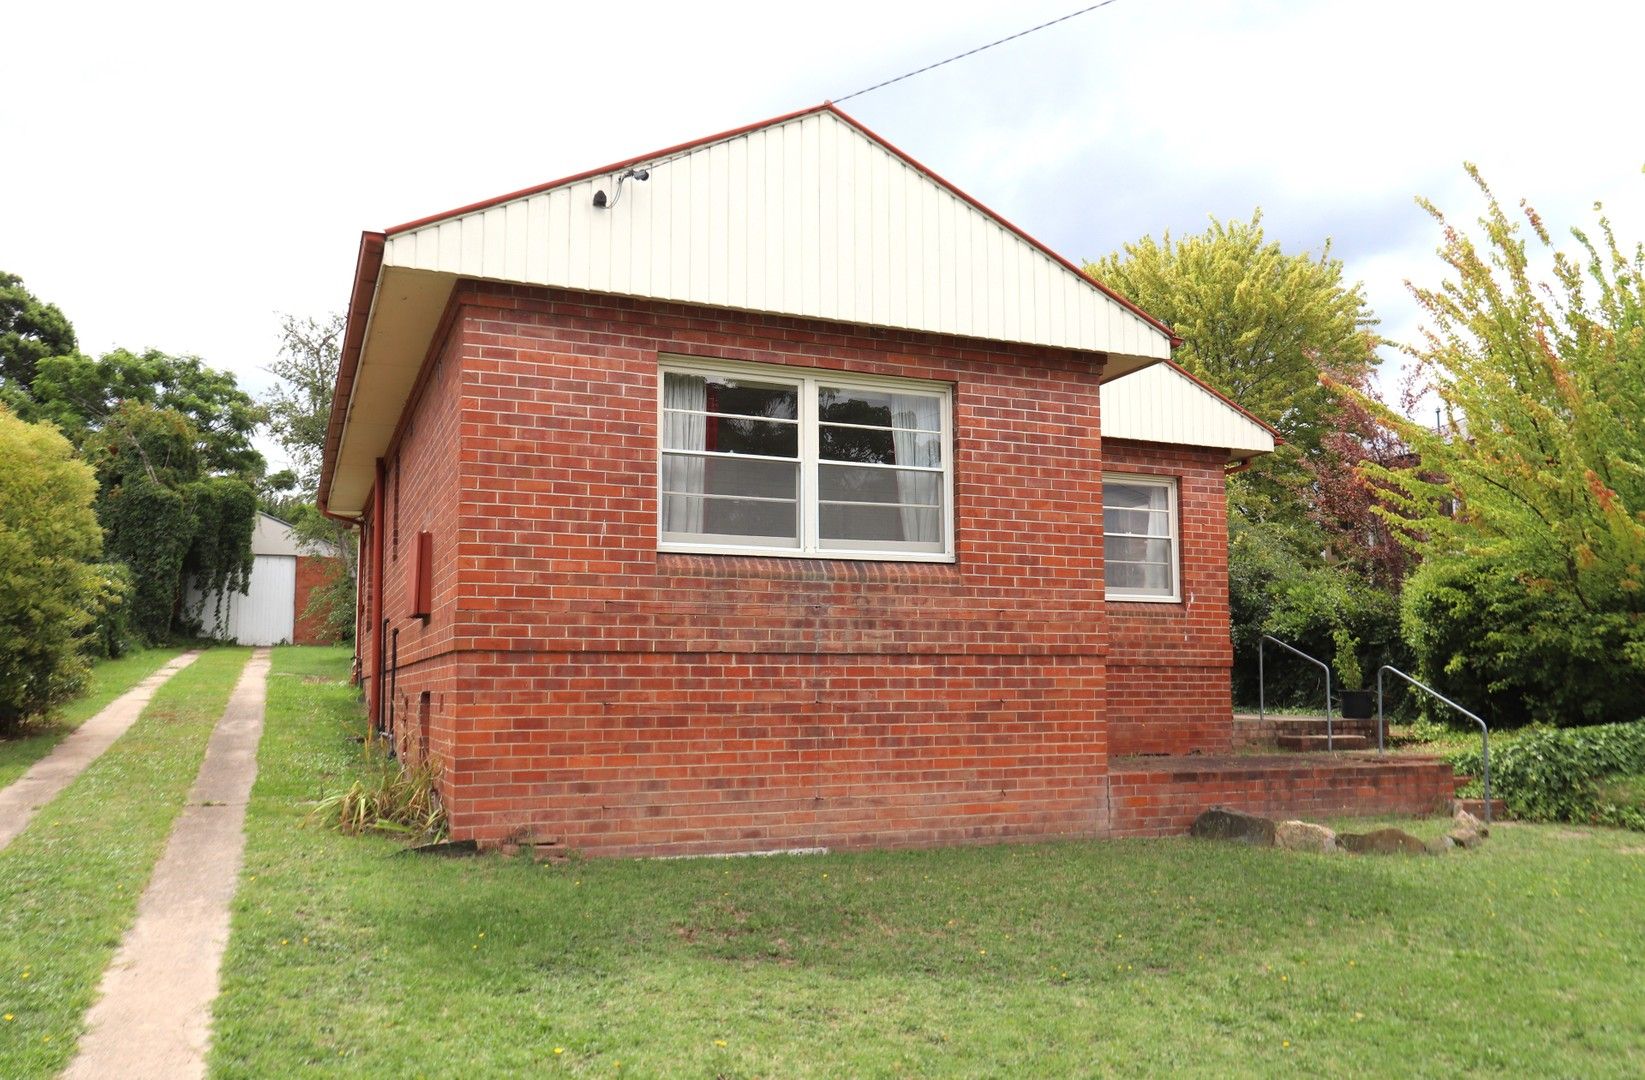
(826,106)
(368,265)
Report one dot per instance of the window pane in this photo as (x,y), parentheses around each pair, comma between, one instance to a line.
(731,520)
(710,474)
(1117,494)
(880,523)
(879,408)
(723,394)
(1140,577)
(880,445)
(852,483)
(1136,522)
(728,435)
(1130,549)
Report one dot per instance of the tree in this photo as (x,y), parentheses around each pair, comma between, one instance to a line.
(299,409)
(51,586)
(30,331)
(1262,326)
(299,403)
(166,517)
(1530,506)
(1348,505)
(1258,324)
(79,394)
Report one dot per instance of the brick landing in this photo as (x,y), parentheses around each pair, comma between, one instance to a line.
(1161,796)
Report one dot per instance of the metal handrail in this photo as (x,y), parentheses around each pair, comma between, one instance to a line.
(1262,687)
(1484,732)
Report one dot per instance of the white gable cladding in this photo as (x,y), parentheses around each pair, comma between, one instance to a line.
(808,217)
(1162,404)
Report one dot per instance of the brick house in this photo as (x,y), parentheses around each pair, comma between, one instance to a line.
(752,495)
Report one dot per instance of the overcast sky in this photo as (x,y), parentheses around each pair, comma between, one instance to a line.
(178,175)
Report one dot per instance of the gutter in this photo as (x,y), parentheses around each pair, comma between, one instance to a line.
(368,268)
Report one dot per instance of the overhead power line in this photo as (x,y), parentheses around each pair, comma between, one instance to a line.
(973,52)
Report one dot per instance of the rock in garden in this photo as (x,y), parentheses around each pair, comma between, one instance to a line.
(1304,836)
(1219,824)
(1382,842)
(1464,820)
(1440,845)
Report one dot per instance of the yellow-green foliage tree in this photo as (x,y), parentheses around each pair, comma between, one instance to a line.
(1529,505)
(51,587)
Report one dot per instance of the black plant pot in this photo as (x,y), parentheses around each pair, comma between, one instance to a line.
(1357,704)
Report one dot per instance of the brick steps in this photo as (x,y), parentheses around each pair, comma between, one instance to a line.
(1337,741)
(1315,725)
(1476,807)
(1161,796)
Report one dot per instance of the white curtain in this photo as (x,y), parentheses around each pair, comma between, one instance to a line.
(925,413)
(685,430)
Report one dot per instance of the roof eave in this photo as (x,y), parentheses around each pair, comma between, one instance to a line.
(368,265)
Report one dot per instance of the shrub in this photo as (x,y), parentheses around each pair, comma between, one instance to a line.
(388,797)
(1326,611)
(1514,652)
(51,589)
(1557,774)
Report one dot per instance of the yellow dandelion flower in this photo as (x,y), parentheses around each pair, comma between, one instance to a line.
(719,1042)
(285,941)
(482,933)
(982,952)
(10,1018)
(1286,1044)
(559,1049)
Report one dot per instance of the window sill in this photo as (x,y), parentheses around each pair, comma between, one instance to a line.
(1112,599)
(723,565)
(813,556)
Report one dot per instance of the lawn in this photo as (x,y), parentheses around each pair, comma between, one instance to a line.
(109,679)
(69,883)
(350,958)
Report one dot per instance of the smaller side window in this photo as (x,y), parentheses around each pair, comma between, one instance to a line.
(1140,538)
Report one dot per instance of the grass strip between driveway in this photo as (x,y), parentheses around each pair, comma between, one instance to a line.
(1061,959)
(109,679)
(69,884)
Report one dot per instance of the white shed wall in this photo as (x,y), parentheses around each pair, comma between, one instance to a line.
(265,615)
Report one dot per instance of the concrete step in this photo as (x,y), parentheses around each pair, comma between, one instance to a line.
(1341,741)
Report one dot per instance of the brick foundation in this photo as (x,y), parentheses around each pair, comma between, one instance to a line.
(1162,796)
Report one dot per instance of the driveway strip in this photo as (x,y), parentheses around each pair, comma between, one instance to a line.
(153,1016)
(47,777)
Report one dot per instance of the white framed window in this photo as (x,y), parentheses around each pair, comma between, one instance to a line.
(1141,560)
(759,459)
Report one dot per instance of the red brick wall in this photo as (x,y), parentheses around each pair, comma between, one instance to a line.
(1168,663)
(1163,801)
(313,572)
(427,493)
(587,688)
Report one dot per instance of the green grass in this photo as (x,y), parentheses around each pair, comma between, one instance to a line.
(109,679)
(69,883)
(350,958)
